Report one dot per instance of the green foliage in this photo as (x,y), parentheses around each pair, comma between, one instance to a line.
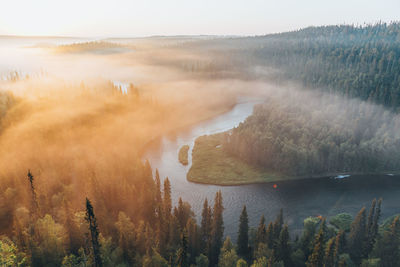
(260,262)
(202,261)
(228,256)
(342,221)
(50,240)
(217,229)
(241,263)
(243,235)
(357,237)
(316,258)
(212,164)
(10,255)
(299,135)
(94,233)
(156,260)
(371,263)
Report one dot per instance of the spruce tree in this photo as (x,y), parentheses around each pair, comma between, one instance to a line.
(329,260)
(389,250)
(165,232)
(261,235)
(243,235)
(217,231)
(316,258)
(278,223)
(340,243)
(357,237)
(182,253)
(35,206)
(370,236)
(269,235)
(94,233)
(283,251)
(167,202)
(206,221)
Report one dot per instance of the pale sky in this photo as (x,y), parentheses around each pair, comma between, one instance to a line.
(131,18)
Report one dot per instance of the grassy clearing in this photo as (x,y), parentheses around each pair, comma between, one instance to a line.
(212,165)
(183,155)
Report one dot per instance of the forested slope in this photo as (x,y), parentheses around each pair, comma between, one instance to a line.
(354,61)
(299,134)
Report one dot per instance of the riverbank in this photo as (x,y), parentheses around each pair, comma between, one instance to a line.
(212,165)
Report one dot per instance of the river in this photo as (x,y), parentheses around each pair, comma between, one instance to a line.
(298,199)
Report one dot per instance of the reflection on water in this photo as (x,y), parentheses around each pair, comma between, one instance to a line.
(299,199)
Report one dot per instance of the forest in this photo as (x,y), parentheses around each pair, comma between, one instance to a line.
(307,135)
(75,191)
(140,227)
(354,61)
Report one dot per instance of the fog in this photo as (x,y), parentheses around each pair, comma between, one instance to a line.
(63,118)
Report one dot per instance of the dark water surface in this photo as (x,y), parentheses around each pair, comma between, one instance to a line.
(299,199)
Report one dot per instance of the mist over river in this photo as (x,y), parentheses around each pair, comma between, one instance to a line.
(299,199)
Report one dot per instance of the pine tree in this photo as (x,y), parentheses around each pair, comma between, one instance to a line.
(316,258)
(261,236)
(158,196)
(182,253)
(277,226)
(329,260)
(269,235)
(389,250)
(283,251)
(35,206)
(160,227)
(167,202)
(340,243)
(194,239)
(206,221)
(166,230)
(94,233)
(370,236)
(357,237)
(375,225)
(217,231)
(243,235)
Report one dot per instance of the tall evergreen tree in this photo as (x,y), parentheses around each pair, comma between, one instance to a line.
(283,251)
(375,224)
(35,205)
(278,223)
(329,259)
(167,202)
(182,253)
(389,250)
(316,259)
(217,231)
(269,235)
(94,233)
(261,235)
(158,196)
(357,237)
(370,235)
(243,235)
(206,221)
(340,243)
(165,233)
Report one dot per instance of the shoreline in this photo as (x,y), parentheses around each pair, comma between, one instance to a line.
(185,126)
(310,177)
